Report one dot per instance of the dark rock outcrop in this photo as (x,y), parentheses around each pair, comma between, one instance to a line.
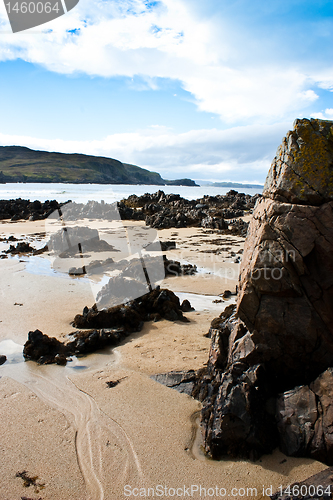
(24,247)
(44,349)
(305,419)
(160,210)
(26,209)
(182,381)
(281,334)
(157,304)
(3,359)
(105,327)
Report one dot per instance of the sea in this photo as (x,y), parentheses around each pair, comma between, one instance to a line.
(82,193)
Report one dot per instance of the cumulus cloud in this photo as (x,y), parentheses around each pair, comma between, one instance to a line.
(232,154)
(167,39)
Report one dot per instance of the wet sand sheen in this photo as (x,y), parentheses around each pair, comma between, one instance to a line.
(86,441)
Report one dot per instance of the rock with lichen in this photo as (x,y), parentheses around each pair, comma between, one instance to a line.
(280,335)
(302,170)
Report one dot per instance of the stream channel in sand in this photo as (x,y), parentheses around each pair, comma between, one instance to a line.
(52,384)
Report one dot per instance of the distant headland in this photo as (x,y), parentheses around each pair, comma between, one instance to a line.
(21,164)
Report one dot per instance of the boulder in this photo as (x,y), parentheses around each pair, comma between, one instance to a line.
(261,384)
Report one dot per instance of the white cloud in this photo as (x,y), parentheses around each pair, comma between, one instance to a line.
(239,153)
(326,115)
(170,41)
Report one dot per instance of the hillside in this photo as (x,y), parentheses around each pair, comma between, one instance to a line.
(20,164)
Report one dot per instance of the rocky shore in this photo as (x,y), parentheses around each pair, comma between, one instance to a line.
(158,210)
(27,210)
(268,380)
(162,211)
(106,327)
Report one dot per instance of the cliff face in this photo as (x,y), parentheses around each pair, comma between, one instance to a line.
(263,384)
(19,164)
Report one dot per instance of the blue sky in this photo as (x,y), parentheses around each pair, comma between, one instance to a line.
(186,88)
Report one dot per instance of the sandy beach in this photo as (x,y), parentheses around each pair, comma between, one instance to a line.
(67,435)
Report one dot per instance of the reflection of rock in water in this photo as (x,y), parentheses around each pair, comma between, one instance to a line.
(93,429)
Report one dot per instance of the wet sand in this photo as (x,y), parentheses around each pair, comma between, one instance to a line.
(83,440)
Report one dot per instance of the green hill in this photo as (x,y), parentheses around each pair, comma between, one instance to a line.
(20,164)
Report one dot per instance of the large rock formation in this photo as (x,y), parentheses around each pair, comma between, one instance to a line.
(258,388)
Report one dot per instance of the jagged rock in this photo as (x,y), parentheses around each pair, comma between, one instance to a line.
(24,209)
(163,246)
(24,247)
(137,277)
(104,327)
(3,359)
(182,381)
(78,239)
(282,327)
(186,306)
(158,210)
(131,315)
(214,223)
(164,211)
(175,268)
(305,419)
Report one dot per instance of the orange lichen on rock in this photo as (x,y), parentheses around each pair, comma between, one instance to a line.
(302,171)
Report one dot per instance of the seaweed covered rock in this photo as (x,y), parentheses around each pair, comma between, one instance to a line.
(281,334)
(26,209)
(44,349)
(160,210)
(159,303)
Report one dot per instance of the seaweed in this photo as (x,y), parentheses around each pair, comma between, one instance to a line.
(30,481)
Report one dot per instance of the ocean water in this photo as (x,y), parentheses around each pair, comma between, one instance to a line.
(81,193)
